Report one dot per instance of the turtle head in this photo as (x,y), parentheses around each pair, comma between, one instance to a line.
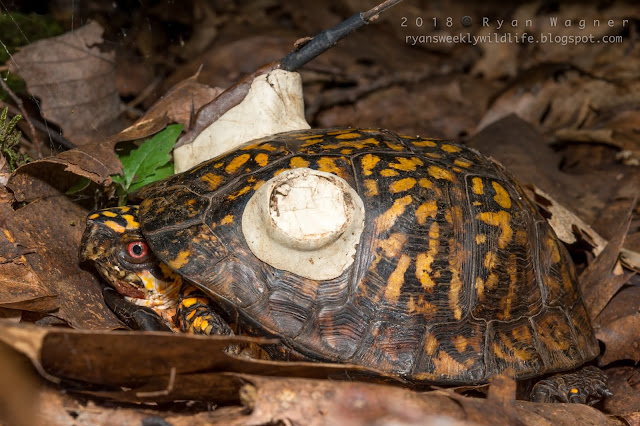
(113,241)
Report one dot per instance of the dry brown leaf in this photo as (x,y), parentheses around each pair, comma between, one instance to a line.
(138,358)
(621,339)
(599,282)
(97,161)
(75,81)
(623,382)
(624,303)
(321,402)
(51,229)
(18,388)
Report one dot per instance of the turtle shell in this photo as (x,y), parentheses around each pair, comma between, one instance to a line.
(457,277)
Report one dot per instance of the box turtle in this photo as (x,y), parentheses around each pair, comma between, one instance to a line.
(453,278)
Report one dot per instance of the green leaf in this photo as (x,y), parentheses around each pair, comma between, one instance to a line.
(141,163)
(80,185)
(160,173)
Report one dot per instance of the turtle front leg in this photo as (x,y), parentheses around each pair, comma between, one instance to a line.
(134,316)
(585,386)
(195,313)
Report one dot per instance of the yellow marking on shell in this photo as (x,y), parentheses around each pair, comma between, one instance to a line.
(123,209)
(501,197)
(450,148)
(131,222)
(262,159)
(453,214)
(477,203)
(93,216)
(227,220)
(239,193)
(190,301)
(521,237)
(212,180)
(371,188)
(357,144)
(425,183)
(501,220)
(421,307)
(477,186)
(490,260)
(517,355)
(440,173)
(567,281)
(396,279)
(479,287)
(407,137)
(456,169)
(327,164)
(433,155)
(393,245)
(394,146)
(236,163)
(425,210)
(446,365)
(406,164)
(512,271)
(424,143)
(218,165)
(388,173)
(462,163)
(108,213)
(340,132)
(369,161)
(115,226)
(402,185)
(455,284)
(180,260)
(348,136)
(430,344)
(267,147)
(258,184)
(481,239)
(460,343)
(386,220)
(346,151)
(553,249)
(297,162)
(311,141)
(191,314)
(549,331)
(424,260)
(492,281)
(307,137)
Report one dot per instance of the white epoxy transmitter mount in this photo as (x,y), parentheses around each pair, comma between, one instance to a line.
(273,104)
(305,221)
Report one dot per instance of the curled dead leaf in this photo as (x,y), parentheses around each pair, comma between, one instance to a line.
(75,81)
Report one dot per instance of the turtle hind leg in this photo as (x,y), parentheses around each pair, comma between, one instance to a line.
(585,386)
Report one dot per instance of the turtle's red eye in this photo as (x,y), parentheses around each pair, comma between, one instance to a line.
(137,250)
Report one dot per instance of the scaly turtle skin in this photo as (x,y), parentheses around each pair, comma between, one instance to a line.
(456,279)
